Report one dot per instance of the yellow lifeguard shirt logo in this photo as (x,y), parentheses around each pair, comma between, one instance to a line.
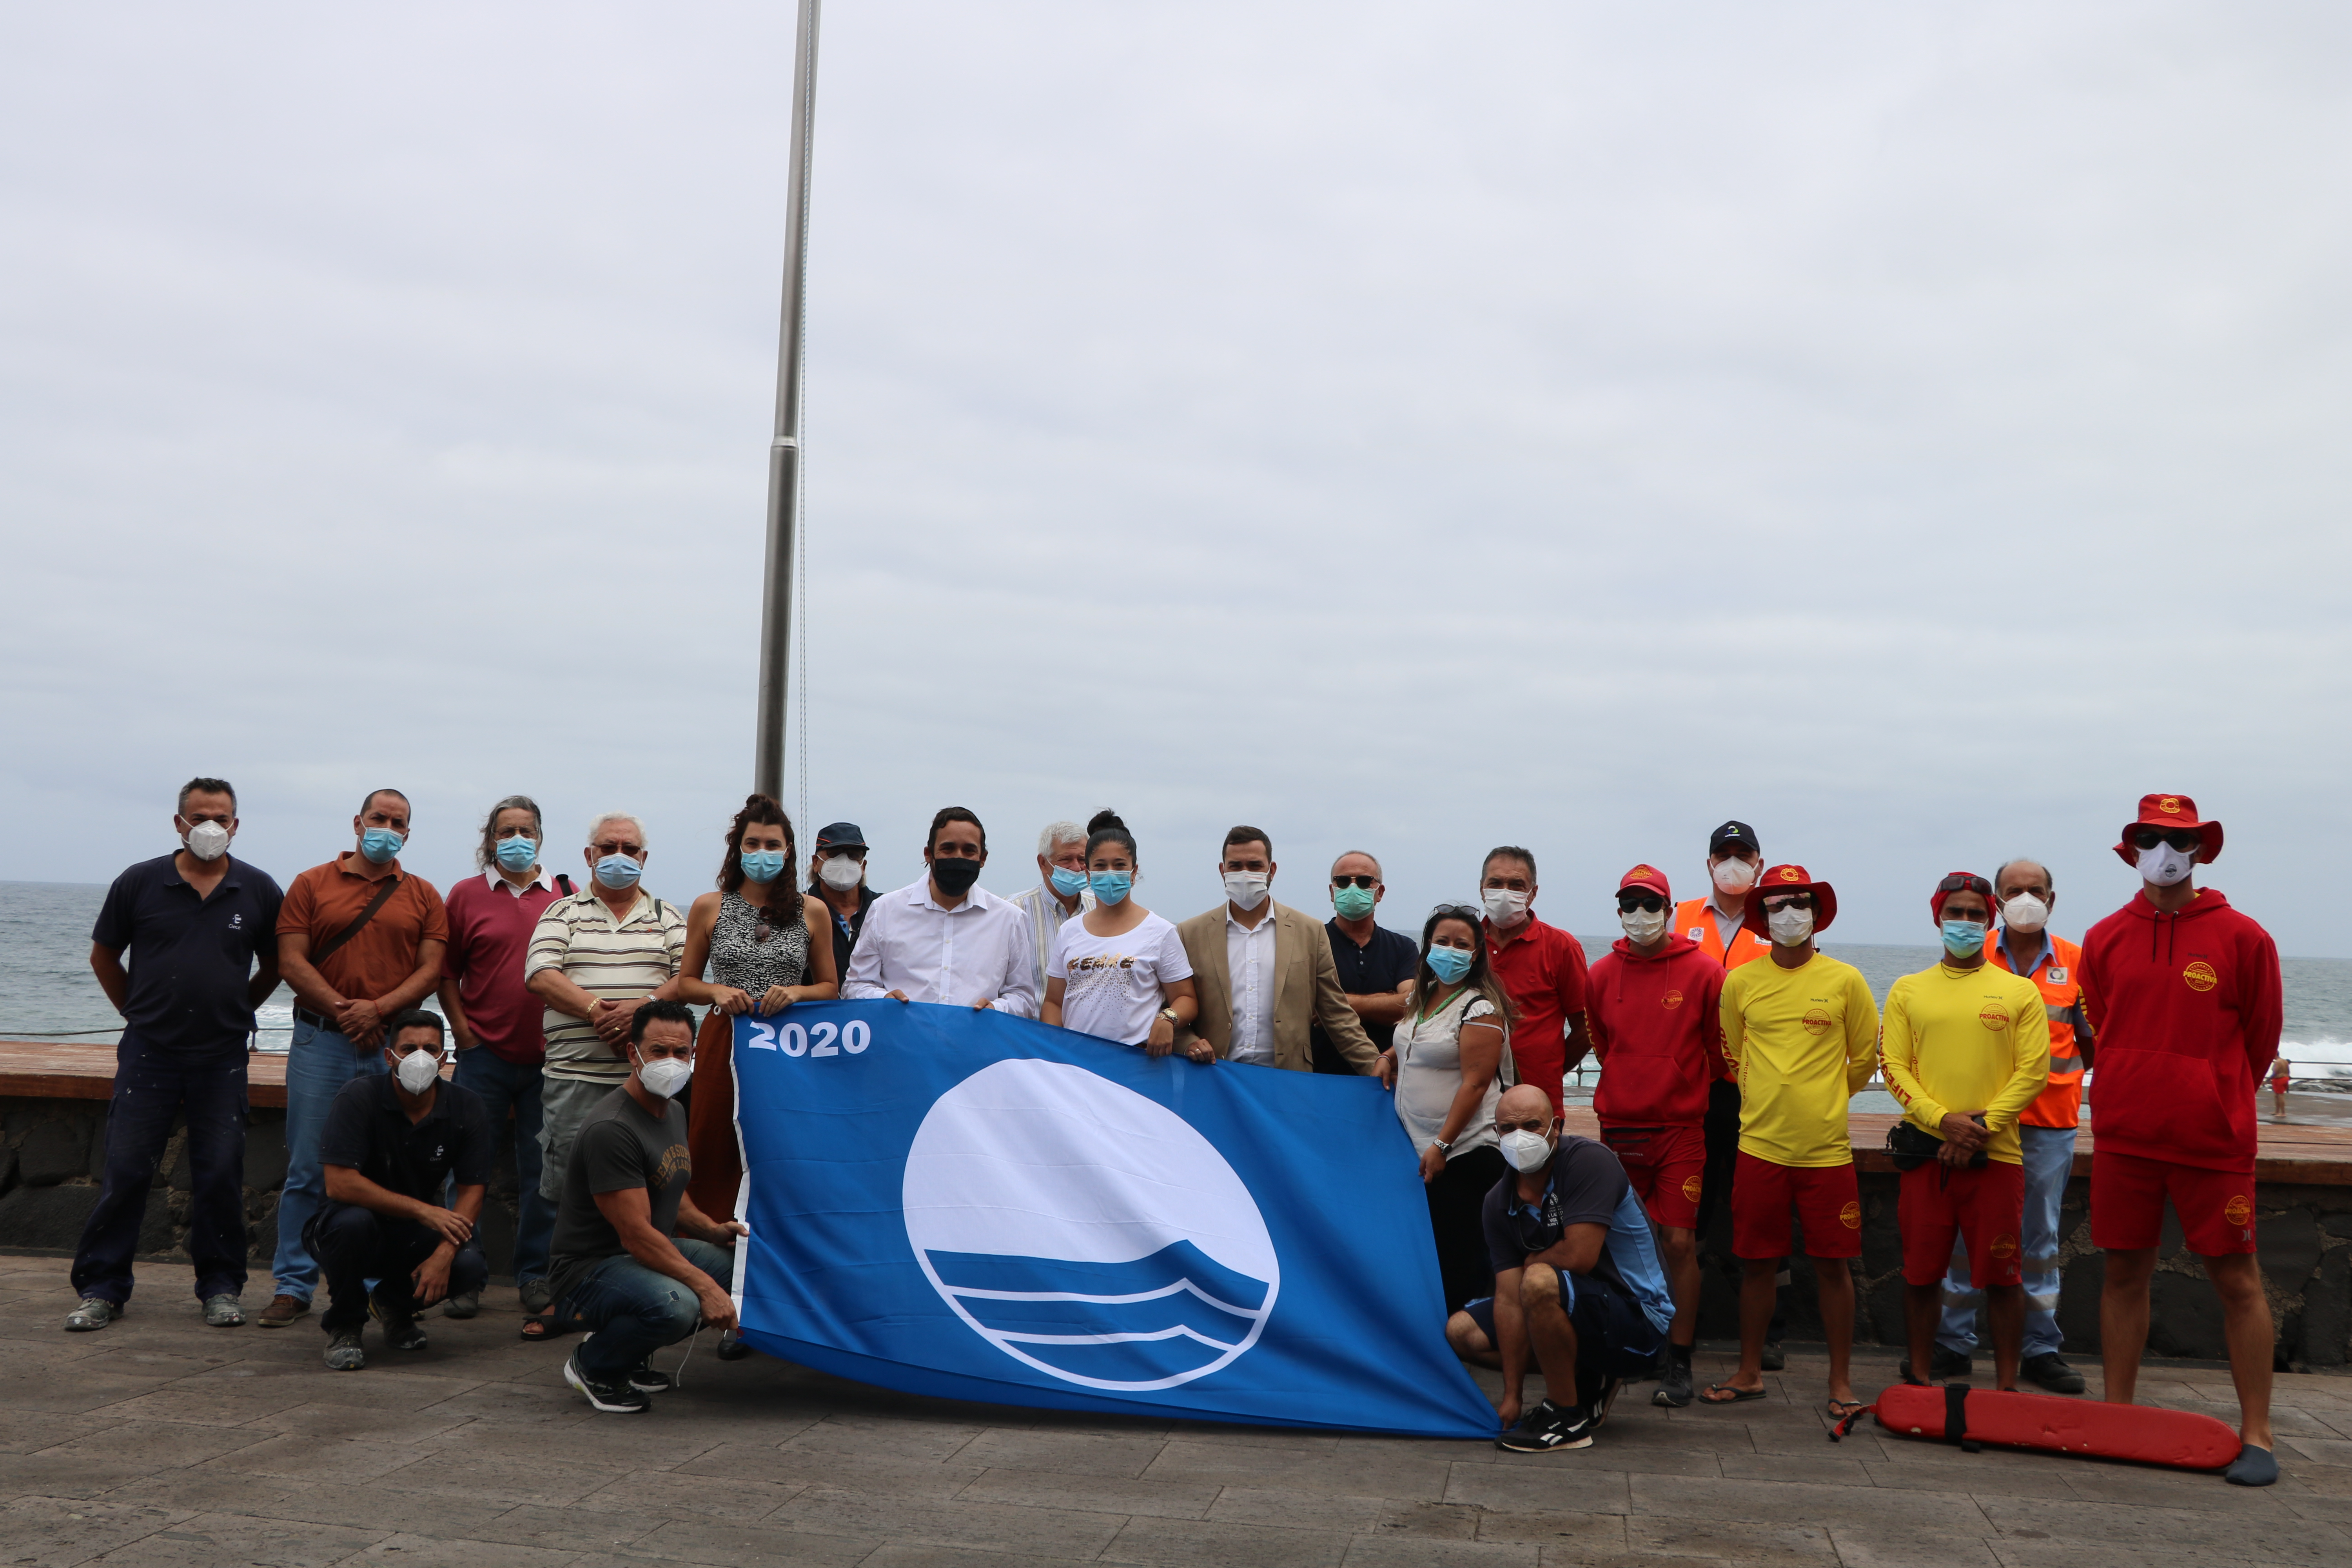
(1672,999)
(1817,1021)
(2201,976)
(2238,1210)
(2004,1247)
(2170,805)
(1993,1016)
(1852,1215)
(1788,874)
(1691,1188)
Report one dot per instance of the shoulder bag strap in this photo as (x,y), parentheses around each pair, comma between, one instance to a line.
(391,885)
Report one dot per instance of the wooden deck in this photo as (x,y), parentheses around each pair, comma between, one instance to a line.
(2314,1149)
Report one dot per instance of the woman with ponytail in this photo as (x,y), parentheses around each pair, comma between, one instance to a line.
(1119,971)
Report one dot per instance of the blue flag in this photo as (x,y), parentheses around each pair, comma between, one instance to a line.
(980,1206)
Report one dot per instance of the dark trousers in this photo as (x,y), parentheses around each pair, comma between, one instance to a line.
(1715,1190)
(1456,1224)
(151,1089)
(354,1245)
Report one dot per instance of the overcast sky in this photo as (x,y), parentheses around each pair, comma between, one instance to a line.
(1915,431)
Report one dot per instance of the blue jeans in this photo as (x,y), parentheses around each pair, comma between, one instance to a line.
(636,1311)
(149,1089)
(503,1086)
(2049,1155)
(318,1064)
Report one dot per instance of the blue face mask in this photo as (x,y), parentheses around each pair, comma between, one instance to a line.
(1111,887)
(618,871)
(1962,937)
(1449,964)
(380,844)
(1065,882)
(518,854)
(761,865)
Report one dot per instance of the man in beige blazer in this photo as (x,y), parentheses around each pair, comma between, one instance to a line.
(1265,971)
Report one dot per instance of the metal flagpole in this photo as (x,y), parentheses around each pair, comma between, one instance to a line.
(784,451)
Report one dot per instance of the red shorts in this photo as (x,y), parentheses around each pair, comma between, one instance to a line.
(1665,1165)
(1827,1202)
(2127,1194)
(1986,1205)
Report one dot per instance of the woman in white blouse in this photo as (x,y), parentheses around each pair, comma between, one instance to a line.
(1449,1065)
(1119,971)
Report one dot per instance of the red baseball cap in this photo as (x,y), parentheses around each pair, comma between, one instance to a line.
(1960,883)
(1650,876)
(1789,879)
(2170,811)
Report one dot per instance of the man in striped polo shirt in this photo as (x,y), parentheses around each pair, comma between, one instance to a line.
(595,959)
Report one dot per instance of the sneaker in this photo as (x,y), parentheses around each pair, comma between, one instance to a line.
(612,1398)
(2050,1370)
(536,1296)
(464,1304)
(1948,1366)
(95,1313)
(1674,1389)
(400,1330)
(1547,1428)
(282,1310)
(731,1347)
(1775,1358)
(1596,1411)
(645,1380)
(223,1311)
(344,1352)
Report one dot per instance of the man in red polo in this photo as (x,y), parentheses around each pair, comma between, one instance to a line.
(2184,994)
(1541,968)
(1650,1006)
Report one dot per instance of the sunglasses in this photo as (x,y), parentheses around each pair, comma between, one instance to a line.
(1357,880)
(618,847)
(2181,839)
(1634,898)
(1458,911)
(1963,882)
(1788,901)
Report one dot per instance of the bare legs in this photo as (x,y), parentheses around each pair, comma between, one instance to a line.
(2004,1312)
(2245,1325)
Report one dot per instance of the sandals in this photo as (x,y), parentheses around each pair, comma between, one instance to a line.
(547,1325)
(1724,1393)
(1845,1409)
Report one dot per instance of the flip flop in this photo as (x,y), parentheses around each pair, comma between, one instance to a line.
(1739,1396)
(548,1326)
(1842,1408)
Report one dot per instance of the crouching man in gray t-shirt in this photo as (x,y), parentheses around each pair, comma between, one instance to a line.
(613,1260)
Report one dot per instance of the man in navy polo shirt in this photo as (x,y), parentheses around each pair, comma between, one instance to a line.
(1376,964)
(201,928)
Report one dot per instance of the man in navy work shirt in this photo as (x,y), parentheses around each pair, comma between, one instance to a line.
(1376,964)
(1577,1277)
(394,1142)
(201,928)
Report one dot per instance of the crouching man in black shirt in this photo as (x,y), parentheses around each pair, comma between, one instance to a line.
(391,1142)
(614,1261)
(1577,1277)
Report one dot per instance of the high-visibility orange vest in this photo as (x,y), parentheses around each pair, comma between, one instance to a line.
(1695,920)
(2060,1104)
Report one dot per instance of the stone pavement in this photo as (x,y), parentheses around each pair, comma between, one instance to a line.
(159,1441)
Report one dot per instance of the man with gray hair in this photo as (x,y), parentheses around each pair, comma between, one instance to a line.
(1060,891)
(595,959)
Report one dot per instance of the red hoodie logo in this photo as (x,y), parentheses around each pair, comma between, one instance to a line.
(1672,999)
(2201,976)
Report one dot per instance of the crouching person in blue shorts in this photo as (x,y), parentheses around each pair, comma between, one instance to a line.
(633,1259)
(1578,1282)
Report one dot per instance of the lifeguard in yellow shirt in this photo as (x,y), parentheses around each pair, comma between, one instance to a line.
(1801,1033)
(1966,1049)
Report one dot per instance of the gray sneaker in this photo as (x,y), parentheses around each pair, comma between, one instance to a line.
(95,1313)
(464,1304)
(536,1296)
(223,1311)
(344,1352)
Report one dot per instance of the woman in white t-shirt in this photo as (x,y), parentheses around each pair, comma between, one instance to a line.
(1118,972)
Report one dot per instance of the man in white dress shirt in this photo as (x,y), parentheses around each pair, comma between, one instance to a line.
(946,939)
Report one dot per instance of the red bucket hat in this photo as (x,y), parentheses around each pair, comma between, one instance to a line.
(2170,811)
(1650,876)
(1789,879)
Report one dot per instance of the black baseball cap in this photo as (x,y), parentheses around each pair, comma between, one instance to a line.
(840,835)
(1734,835)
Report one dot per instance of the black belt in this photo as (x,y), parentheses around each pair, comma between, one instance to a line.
(321,1021)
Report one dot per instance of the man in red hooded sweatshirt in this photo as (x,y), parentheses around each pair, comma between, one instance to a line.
(1652,1009)
(2183,992)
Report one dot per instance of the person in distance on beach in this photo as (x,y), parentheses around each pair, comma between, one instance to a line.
(1966,1048)
(2045,1134)
(1802,1032)
(1541,968)
(904,953)
(201,928)
(1265,971)
(1059,892)
(393,1143)
(1653,1008)
(837,875)
(2185,994)
(359,938)
(1375,965)
(1118,972)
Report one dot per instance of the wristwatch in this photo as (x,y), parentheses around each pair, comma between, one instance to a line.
(1170,1013)
(1441,1145)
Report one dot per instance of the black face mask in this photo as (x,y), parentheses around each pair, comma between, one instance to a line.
(955,875)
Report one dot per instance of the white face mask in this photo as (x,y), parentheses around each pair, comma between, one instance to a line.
(208,841)
(1525,1150)
(1791,927)
(665,1075)
(1503,905)
(2024,913)
(841,872)
(1734,876)
(2164,866)
(1643,925)
(417,1070)
(1246,889)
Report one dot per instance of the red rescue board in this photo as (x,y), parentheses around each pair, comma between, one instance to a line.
(2141,1433)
